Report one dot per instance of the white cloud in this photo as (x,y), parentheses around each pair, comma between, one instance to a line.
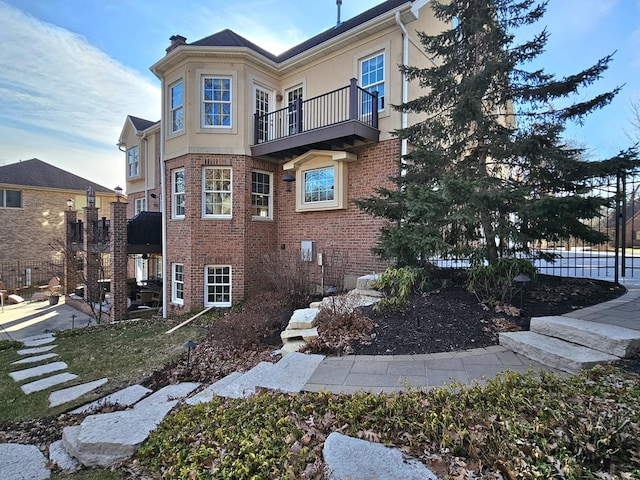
(59,92)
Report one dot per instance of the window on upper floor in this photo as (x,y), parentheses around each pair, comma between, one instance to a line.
(217,284)
(140,205)
(10,198)
(216,192)
(176,103)
(177,283)
(372,78)
(216,102)
(261,187)
(292,96)
(133,162)
(177,193)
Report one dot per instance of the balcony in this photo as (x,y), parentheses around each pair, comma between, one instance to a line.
(338,120)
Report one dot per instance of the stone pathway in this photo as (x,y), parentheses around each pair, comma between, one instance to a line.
(35,352)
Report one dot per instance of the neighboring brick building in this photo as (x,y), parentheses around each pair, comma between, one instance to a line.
(33,199)
(260,153)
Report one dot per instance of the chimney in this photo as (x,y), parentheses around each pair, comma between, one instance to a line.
(176,41)
(339,4)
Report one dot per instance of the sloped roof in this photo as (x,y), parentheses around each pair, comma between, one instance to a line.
(140,123)
(228,38)
(36,173)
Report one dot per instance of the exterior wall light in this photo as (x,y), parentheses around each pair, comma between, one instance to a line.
(288,178)
(70,203)
(118,191)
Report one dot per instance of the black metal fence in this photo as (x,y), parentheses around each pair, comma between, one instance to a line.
(617,260)
(25,278)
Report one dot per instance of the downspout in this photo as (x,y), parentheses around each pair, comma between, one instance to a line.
(163,210)
(405,81)
(146,169)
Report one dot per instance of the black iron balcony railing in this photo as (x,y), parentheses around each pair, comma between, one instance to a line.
(350,103)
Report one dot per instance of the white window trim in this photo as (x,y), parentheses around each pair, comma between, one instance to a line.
(174,284)
(231,102)
(257,87)
(384,73)
(313,160)
(270,196)
(204,195)
(140,205)
(172,109)
(137,162)
(206,285)
(174,204)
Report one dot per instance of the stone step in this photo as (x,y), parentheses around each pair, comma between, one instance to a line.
(47,382)
(19,375)
(611,339)
(68,394)
(292,372)
(125,398)
(245,385)
(291,346)
(108,438)
(554,352)
(366,282)
(212,390)
(35,350)
(303,318)
(307,334)
(37,358)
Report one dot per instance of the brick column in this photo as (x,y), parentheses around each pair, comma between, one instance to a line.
(119,257)
(70,263)
(92,256)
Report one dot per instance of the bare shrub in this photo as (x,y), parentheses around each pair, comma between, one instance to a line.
(334,267)
(286,271)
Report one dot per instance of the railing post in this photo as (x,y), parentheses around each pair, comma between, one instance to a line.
(298,114)
(374,111)
(353,99)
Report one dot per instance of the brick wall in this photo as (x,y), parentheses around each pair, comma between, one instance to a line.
(349,229)
(28,233)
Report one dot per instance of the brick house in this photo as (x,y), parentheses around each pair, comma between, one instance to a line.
(34,196)
(260,153)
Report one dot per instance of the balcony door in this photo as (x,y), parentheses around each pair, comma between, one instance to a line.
(263,100)
(293,114)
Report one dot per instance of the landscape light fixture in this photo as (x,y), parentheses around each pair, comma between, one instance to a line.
(521,280)
(70,203)
(118,191)
(189,344)
(91,197)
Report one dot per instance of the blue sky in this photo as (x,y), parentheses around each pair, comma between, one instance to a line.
(71,70)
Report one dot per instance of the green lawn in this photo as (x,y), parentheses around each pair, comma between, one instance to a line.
(125,354)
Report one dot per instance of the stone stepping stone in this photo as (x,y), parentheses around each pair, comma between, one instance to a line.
(125,398)
(64,461)
(68,394)
(167,394)
(356,459)
(37,341)
(306,334)
(37,358)
(45,383)
(245,385)
(19,375)
(35,351)
(292,372)
(303,318)
(19,461)
(208,393)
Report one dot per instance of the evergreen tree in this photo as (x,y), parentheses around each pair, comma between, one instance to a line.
(488,172)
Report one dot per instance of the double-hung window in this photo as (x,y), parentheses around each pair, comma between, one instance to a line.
(140,205)
(261,187)
(10,198)
(133,162)
(177,193)
(177,107)
(216,102)
(217,192)
(217,282)
(372,80)
(177,283)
